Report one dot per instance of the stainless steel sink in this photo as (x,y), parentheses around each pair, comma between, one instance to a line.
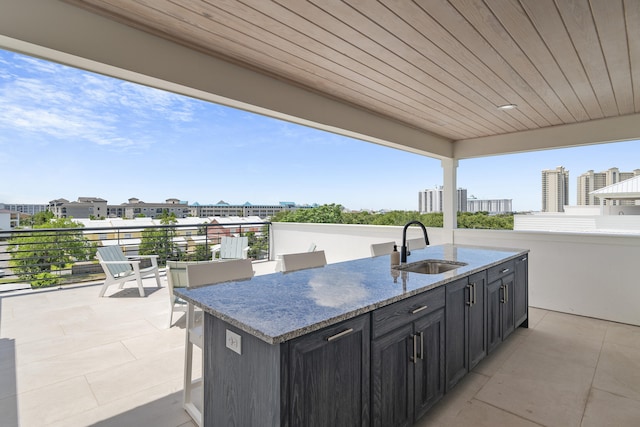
(430,266)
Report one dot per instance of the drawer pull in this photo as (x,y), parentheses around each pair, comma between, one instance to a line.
(523,258)
(419,309)
(504,270)
(340,334)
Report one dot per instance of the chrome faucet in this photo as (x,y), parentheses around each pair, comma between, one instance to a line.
(403,250)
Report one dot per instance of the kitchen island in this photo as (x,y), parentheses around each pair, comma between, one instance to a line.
(357,342)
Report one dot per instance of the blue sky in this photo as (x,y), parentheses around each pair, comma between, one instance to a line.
(66,133)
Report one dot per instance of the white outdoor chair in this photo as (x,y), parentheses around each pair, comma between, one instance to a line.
(177,278)
(231,248)
(198,275)
(417,243)
(385,248)
(303,260)
(120,269)
(312,248)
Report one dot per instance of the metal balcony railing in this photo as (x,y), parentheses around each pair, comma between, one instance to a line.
(52,256)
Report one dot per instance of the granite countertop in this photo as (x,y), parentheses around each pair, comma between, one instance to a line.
(280,306)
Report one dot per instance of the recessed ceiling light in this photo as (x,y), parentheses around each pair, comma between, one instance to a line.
(507,107)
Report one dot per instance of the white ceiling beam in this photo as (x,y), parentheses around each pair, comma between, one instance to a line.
(66,34)
(613,129)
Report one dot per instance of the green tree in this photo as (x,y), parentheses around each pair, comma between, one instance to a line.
(35,255)
(335,214)
(258,243)
(161,241)
(39,218)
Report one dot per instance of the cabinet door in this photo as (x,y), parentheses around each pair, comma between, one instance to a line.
(430,366)
(520,292)
(508,320)
(494,320)
(329,376)
(477,340)
(458,301)
(392,378)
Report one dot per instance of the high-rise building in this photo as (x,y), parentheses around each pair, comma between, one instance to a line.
(493,206)
(432,200)
(591,181)
(555,189)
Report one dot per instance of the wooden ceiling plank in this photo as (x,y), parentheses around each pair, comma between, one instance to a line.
(516,22)
(143,12)
(531,105)
(632,19)
(608,15)
(295,29)
(457,59)
(578,20)
(426,57)
(552,30)
(258,50)
(488,26)
(436,91)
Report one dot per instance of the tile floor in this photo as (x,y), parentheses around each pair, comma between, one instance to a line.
(69,358)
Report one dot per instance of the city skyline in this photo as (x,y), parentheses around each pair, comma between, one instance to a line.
(67,133)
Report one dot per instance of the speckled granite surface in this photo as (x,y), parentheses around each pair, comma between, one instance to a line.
(278,307)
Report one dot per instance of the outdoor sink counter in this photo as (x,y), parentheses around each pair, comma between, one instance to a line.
(281,306)
(357,342)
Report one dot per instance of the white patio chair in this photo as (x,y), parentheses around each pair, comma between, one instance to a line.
(303,260)
(119,268)
(176,278)
(198,275)
(385,248)
(231,248)
(312,248)
(417,243)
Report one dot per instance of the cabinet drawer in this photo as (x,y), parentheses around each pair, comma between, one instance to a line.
(501,270)
(388,318)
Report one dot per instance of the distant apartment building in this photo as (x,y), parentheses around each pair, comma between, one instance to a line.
(555,189)
(432,200)
(23,208)
(137,208)
(224,209)
(592,181)
(84,207)
(492,206)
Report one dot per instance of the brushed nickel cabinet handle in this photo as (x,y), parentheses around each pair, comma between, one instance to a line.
(419,309)
(523,258)
(340,334)
(505,270)
(470,302)
(414,358)
(502,299)
(474,294)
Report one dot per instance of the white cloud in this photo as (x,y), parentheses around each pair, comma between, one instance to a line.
(50,99)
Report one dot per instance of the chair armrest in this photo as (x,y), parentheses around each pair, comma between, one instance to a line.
(214,250)
(128,262)
(153,258)
(245,252)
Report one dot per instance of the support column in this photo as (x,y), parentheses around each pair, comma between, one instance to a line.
(450,196)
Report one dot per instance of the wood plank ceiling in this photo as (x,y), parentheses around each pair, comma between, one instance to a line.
(443,66)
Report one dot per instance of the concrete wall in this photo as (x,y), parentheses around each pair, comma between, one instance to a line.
(585,274)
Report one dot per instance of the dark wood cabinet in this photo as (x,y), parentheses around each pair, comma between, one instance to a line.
(500,303)
(408,361)
(387,367)
(465,326)
(329,376)
(520,292)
